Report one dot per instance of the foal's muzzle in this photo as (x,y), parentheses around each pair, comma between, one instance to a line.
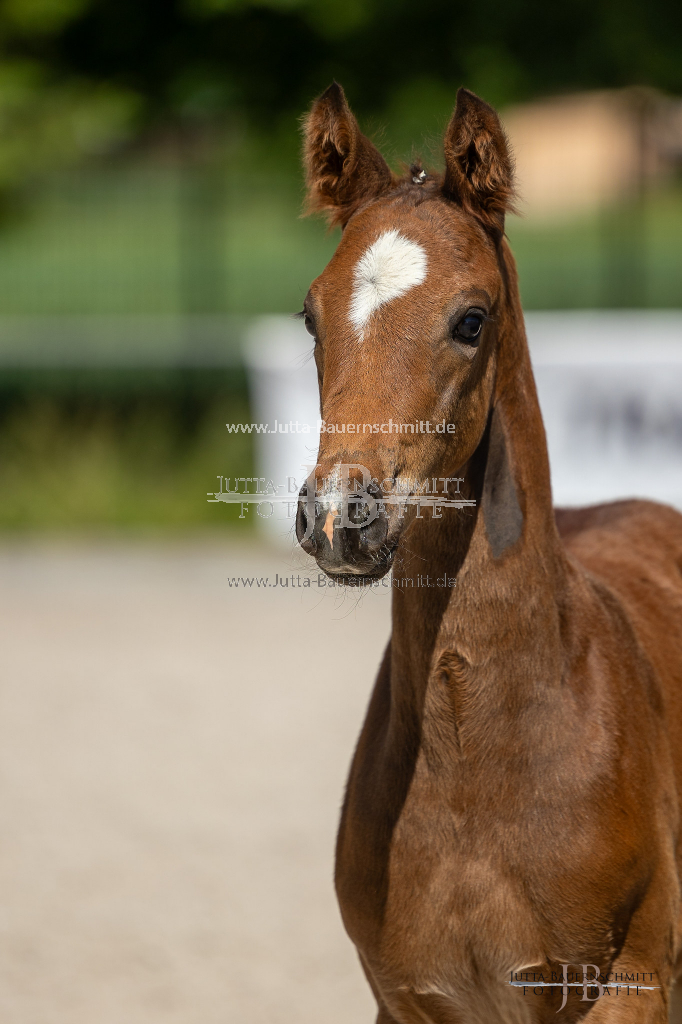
(346,532)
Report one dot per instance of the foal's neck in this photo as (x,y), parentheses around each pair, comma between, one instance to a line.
(505,554)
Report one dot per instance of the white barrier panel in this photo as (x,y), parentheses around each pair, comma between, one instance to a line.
(284,398)
(610,389)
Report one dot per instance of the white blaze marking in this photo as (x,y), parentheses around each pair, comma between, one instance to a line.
(390,267)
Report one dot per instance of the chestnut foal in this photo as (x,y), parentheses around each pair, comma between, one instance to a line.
(512,805)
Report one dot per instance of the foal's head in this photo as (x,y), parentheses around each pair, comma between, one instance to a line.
(405,319)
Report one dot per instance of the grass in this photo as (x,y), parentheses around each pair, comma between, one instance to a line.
(133,239)
(138,237)
(618,258)
(72,458)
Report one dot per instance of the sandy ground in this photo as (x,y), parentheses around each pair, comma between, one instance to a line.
(172,759)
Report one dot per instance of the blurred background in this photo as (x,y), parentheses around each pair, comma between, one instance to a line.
(169,781)
(150,195)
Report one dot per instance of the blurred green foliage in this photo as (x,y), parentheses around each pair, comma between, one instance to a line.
(86,449)
(44,128)
(80,76)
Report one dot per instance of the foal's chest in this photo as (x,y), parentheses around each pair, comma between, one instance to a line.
(467,900)
(453,904)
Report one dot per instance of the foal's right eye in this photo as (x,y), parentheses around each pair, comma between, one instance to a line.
(309,324)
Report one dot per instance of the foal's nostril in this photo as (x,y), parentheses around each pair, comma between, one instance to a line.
(345,537)
(373,535)
(361,510)
(304,526)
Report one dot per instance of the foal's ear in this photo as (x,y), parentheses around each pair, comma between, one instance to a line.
(343,168)
(479,172)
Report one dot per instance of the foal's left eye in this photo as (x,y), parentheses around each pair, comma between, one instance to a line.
(309,324)
(469,328)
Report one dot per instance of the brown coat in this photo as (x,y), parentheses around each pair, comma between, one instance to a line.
(513,802)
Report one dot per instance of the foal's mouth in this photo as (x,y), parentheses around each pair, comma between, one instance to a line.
(362,575)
